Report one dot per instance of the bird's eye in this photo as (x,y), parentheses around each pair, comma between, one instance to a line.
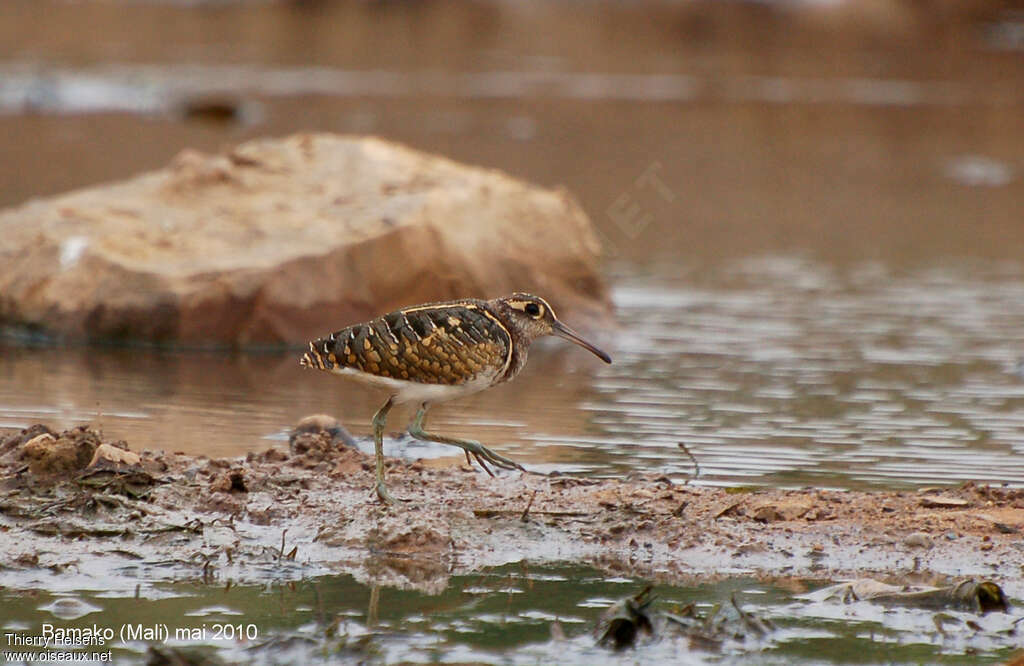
(532,309)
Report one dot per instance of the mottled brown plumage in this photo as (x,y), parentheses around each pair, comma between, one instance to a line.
(439,351)
(443,343)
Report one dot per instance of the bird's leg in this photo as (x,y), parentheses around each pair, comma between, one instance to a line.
(481,453)
(379,419)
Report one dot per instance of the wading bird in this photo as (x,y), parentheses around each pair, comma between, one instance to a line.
(439,351)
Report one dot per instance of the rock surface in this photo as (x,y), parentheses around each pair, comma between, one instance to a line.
(280,241)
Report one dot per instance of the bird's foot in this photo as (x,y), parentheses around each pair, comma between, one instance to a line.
(484,455)
(384,496)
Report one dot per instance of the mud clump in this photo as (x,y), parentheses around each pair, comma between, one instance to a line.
(109,457)
(316,439)
(232,481)
(15,440)
(312,447)
(54,458)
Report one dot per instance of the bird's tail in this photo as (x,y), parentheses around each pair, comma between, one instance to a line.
(313,358)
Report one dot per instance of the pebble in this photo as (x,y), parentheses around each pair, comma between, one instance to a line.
(918,540)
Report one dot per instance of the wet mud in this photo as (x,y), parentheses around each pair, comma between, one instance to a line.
(75,506)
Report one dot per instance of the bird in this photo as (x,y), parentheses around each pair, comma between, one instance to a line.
(440,351)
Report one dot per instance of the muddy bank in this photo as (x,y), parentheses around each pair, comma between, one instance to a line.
(82,512)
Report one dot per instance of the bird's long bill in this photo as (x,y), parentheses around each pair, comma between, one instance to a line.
(563,331)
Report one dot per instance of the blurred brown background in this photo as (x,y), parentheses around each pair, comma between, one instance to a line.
(865,128)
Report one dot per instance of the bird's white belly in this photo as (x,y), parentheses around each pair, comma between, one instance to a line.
(407,391)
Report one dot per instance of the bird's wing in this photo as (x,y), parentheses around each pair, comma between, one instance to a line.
(450,343)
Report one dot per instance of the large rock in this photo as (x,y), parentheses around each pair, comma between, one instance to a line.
(280,241)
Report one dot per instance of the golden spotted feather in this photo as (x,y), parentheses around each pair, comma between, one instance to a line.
(449,343)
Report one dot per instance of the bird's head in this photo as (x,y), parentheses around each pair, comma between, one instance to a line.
(532,317)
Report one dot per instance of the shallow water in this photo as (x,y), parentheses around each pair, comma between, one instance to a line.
(517,614)
(771,371)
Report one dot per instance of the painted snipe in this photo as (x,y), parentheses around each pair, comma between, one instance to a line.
(440,351)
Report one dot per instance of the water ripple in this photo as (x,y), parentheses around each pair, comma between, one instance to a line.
(801,372)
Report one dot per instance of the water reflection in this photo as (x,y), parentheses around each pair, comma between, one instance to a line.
(513,614)
(776,371)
